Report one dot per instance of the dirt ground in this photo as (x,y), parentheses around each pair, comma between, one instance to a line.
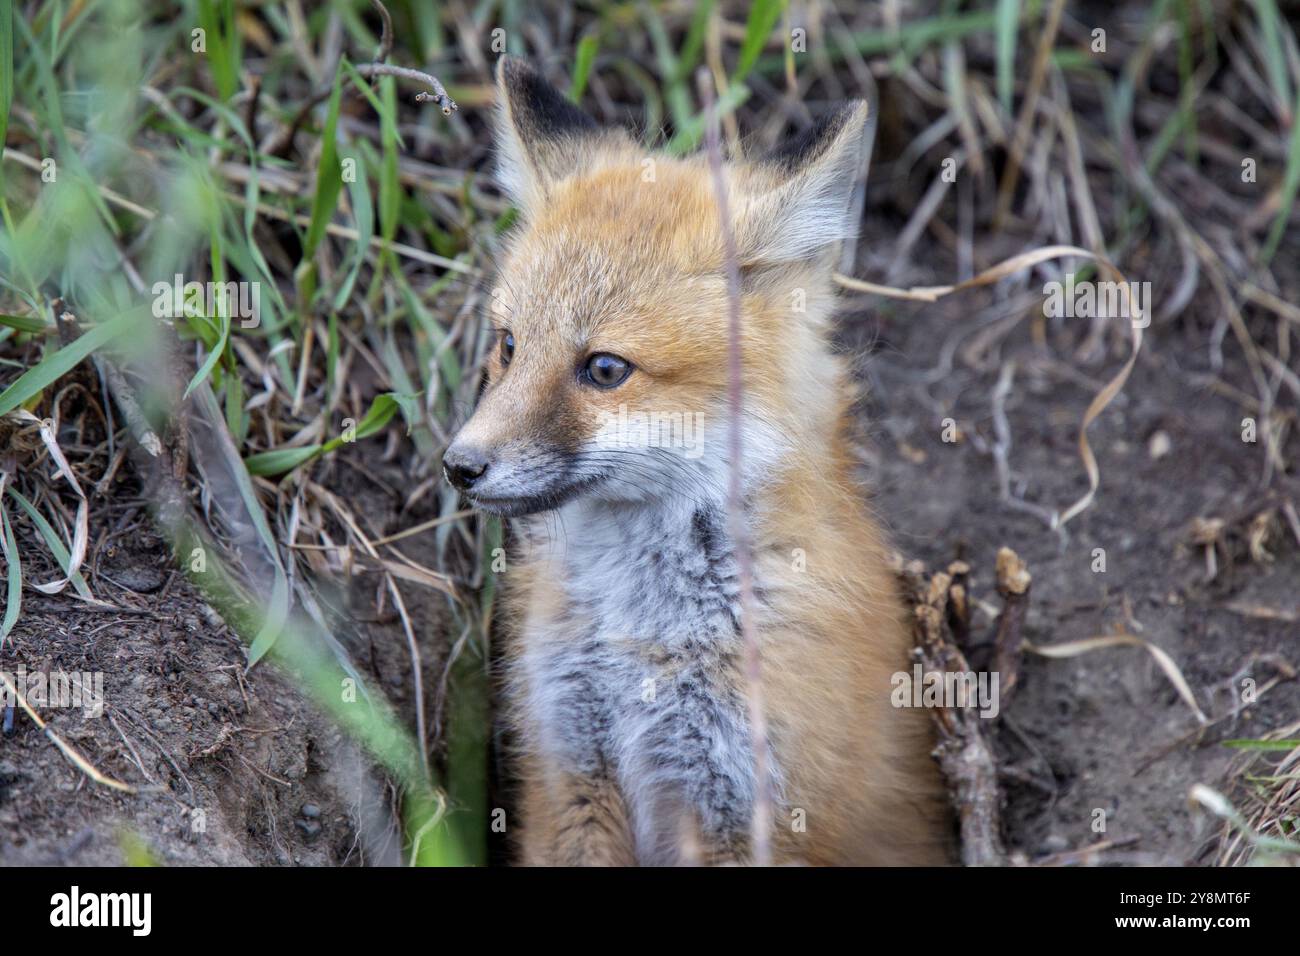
(180,722)
(1106,730)
(187,727)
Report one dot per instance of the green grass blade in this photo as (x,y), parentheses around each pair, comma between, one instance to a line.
(1270,30)
(470,723)
(469,729)
(390,184)
(380,413)
(278,461)
(277,613)
(584,58)
(329,178)
(218,348)
(1008,23)
(689,55)
(23,323)
(14,601)
(762,19)
(1290,183)
(1248,744)
(54,366)
(217,18)
(52,542)
(363,213)
(691,132)
(236,417)
(675,93)
(6,68)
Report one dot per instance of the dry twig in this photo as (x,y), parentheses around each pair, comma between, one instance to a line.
(964,751)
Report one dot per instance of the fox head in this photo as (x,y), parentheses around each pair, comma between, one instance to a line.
(608,373)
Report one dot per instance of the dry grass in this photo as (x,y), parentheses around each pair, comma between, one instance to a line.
(1262,819)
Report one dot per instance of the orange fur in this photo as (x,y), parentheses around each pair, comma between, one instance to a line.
(608,262)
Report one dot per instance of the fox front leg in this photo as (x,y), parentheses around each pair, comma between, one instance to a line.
(586,824)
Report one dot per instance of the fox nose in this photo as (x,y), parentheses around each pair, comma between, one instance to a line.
(464,466)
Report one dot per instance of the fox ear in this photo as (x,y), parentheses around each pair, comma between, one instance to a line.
(541,136)
(796,201)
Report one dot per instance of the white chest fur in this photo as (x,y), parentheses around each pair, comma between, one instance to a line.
(635,676)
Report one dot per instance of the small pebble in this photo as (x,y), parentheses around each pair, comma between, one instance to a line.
(143,580)
(310,811)
(1159,445)
(1055,843)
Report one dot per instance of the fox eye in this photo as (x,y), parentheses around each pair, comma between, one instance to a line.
(507,348)
(607,371)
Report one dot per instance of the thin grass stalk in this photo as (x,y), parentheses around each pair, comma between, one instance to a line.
(761,822)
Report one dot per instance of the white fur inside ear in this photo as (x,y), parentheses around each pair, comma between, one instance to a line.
(796,219)
(513,174)
(803,219)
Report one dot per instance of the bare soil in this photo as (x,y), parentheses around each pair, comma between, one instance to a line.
(1105,731)
(187,725)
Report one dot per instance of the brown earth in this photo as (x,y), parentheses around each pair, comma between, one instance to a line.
(1106,730)
(184,723)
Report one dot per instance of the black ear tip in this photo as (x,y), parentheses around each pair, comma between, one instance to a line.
(535,103)
(839,117)
(808,145)
(511,70)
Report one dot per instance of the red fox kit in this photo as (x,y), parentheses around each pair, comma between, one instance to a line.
(603,428)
